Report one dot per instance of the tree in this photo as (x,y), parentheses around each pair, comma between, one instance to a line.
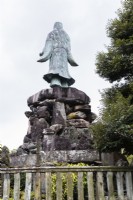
(117,62)
(114,128)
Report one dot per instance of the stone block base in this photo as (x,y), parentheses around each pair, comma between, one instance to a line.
(51,158)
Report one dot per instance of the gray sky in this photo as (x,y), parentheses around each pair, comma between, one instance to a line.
(24,25)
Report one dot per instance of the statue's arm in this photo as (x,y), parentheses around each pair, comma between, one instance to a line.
(46,52)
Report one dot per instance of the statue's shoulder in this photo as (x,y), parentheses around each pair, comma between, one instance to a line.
(50,35)
(66,35)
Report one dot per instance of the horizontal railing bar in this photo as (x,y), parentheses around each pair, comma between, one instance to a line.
(66,169)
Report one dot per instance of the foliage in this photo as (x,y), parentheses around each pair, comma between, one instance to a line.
(130,159)
(114,128)
(4,156)
(117,62)
(22,195)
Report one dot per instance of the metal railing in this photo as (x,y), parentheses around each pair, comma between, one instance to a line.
(71,183)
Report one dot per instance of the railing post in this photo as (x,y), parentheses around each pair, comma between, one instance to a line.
(129,185)
(43,183)
(6,187)
(90,183)
(28,186)
(100,186)
(1,185)
(69,186)
(48,186)
(80,186)
(37,186)
(110,185)
(59,186)
(120,190)
(17,186)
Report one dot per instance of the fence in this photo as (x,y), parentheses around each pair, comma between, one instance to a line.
(71,183)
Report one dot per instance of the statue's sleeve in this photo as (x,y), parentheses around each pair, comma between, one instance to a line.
(69,55)
(47,50)
(72,61)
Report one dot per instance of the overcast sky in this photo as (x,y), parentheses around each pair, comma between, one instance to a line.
(24,25)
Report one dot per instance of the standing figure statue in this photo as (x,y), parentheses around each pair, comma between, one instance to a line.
(58,51)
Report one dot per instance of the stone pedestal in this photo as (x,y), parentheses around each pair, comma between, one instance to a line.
(59,121)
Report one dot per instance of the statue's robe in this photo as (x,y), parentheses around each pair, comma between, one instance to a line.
(57,50)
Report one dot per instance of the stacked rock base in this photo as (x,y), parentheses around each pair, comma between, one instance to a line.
(58,130)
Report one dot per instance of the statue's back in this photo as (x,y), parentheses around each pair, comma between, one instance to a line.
(60,39)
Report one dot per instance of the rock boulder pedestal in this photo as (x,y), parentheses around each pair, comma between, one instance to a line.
(59,121)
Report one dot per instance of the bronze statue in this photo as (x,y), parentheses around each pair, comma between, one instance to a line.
(57,49)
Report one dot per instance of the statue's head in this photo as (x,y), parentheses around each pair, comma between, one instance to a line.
(58,25)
